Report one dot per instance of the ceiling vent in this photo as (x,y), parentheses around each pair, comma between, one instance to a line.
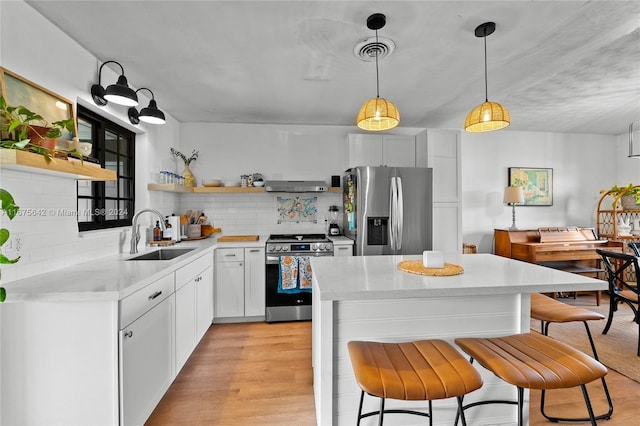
(366,50)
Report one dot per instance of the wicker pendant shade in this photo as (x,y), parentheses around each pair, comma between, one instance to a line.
(378,114)
(486,117)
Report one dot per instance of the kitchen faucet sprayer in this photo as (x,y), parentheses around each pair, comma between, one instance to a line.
(135,234)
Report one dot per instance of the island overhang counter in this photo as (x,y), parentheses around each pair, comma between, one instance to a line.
(369,298)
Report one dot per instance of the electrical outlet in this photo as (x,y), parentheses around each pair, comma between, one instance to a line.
(18,238)
(13,246)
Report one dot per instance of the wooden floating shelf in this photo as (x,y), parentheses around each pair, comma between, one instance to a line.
(168,187)
(20,160)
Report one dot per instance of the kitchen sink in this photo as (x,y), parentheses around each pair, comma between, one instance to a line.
(162,254)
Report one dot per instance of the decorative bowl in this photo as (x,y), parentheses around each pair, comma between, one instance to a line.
(211,182)
(258,183)
(232,184)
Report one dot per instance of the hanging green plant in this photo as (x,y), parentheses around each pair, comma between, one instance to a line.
(9,208)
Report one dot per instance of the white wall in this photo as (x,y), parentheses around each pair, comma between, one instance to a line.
(582,166)
(51,240)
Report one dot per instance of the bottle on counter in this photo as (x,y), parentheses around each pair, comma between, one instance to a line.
(157,232)
(168,230)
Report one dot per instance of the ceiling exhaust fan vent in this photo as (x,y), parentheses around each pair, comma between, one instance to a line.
(366,49)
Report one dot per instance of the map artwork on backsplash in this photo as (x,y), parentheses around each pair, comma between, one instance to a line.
(297,209)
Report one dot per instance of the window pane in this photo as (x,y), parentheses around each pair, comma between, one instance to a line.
(85,188)
(110,141)
(125,185)
(85,207)
(111,189)
(111,161)
(85,131)
(124,166)
(123,145)
(111,209)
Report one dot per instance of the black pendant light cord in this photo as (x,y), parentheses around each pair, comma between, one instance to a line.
(377,73)
(486,88)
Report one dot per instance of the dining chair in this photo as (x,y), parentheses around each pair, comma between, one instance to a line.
(622,289)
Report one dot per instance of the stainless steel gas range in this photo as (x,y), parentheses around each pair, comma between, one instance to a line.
(288,292)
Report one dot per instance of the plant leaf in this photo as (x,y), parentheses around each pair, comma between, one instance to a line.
(3,294)
(4,236)
(6,261)
(8,204)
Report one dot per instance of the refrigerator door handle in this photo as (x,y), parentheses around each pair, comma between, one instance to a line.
(399,214)
(392,212)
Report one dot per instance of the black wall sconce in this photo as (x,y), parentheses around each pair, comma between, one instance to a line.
(150,114)
(119,93)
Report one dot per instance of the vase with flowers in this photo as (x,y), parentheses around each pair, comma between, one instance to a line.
(189,179)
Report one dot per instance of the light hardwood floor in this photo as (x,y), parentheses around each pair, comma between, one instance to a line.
(260,374)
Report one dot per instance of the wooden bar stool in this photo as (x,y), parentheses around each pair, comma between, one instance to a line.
(422,370)
(547,311)
(533,361)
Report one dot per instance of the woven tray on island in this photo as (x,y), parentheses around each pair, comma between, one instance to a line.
(417,267)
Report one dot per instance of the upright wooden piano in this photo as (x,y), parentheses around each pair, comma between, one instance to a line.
(568,248)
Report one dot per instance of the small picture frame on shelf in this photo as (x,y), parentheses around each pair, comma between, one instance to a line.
(17,90)
(536,184)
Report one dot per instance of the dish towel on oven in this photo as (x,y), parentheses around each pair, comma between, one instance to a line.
(295,274)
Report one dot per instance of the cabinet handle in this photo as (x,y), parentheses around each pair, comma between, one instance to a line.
(155,295)
(128,334)
(254,250)
(230,255)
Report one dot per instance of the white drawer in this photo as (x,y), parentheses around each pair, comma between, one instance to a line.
(134,306)
(190,271)
(230,255)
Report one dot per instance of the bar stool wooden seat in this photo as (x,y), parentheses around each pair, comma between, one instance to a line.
(422,370)
(547,311)
(533,361)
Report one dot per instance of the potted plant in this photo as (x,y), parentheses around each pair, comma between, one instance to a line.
(9,208)
(627,196)
(26,130)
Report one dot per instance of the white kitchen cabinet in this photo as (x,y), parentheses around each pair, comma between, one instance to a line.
(229,283)
(443,156)
(254,282)
(381,150)
(146,340)
(194,306)
(240,284)
(342,248)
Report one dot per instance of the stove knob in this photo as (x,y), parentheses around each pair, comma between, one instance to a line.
(314,247)
(271,248)
(285,248)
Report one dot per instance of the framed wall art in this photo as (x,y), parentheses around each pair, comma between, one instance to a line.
(536,184)
(17,90)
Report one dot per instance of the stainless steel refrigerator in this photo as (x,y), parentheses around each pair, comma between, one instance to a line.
(388,210)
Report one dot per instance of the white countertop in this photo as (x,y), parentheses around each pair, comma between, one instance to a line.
(108,278)
(378,277)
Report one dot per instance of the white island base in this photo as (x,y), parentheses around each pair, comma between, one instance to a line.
(368,298)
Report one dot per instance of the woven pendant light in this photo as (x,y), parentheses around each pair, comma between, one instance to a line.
(378,113)
(487,116)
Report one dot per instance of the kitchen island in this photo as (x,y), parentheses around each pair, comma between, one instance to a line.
(369,298)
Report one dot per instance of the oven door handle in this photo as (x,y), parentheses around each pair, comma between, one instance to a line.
(271,260)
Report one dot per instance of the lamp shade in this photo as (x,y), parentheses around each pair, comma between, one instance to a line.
(120,93)
(513,195)
(152,114)
(378,114)
(486,117)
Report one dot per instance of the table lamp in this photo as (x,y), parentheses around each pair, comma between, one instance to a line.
(513,195)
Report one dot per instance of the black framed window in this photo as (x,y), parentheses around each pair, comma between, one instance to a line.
(107,204)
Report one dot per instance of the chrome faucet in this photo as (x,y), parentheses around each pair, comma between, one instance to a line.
(135,234)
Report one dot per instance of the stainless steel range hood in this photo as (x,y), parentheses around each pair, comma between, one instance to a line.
(295,186)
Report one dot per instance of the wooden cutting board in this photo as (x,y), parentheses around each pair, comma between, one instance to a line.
(236,238)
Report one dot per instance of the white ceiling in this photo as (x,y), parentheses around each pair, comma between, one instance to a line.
(560,66)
